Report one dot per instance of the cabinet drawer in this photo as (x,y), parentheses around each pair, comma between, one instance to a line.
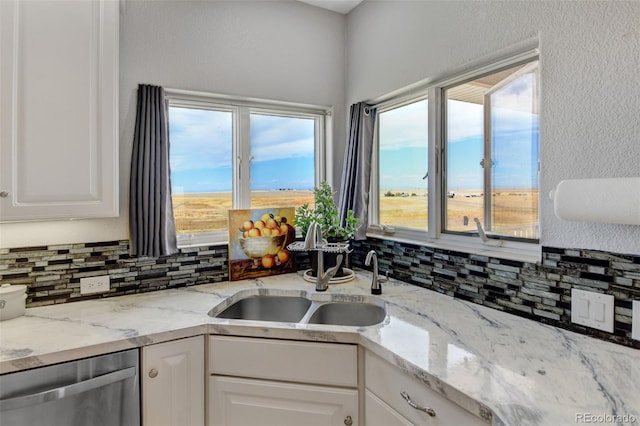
(387,382)
(237,401)
(286,360)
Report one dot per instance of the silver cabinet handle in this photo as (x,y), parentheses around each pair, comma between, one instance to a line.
(65,391)
(4,194)
(348,421)
(153,373)
(427,410)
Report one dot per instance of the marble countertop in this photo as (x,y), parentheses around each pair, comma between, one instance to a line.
(519,371)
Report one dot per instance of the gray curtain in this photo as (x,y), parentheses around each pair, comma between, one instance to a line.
(153,230)
(354,193)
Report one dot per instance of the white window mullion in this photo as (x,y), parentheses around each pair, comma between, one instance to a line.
(323,147)
(435,126)
(374,180)
(487,164)
(242,145)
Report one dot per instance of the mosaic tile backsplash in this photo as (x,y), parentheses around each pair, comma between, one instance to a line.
(52,273)
(539,291)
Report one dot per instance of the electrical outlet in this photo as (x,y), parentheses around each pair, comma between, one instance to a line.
(635,320)
(94,284)
(592,309)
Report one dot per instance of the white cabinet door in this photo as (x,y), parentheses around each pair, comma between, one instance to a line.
(246,402)
(59,102)
(378,413)
(173,380)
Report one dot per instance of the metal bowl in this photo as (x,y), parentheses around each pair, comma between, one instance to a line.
(256,247)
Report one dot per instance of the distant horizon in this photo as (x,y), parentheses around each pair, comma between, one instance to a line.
(381,189)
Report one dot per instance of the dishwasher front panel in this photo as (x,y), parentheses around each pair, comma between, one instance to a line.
(97,391)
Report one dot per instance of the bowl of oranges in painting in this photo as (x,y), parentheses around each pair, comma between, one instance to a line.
(267,237)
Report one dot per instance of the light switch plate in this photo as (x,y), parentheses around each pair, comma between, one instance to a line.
(94,284)
(592,309)
(635,322)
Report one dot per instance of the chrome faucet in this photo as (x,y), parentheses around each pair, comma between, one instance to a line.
(376,280)
(314,242)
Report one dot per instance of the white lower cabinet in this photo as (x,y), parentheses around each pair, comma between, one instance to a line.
(256,381)
(263,382)
(173,383)
(385,405)
(237,401)
(379,413)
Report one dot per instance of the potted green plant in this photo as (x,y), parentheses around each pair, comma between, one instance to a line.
(325,213)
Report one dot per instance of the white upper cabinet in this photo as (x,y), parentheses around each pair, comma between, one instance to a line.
(59,109)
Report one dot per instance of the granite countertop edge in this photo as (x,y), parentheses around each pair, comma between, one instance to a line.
(491,363)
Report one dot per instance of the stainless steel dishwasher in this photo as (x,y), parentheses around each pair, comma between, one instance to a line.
(102,390)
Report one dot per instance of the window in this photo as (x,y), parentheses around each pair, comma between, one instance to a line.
(491,149)
(201,143)
(402,165)
(282,160)
(228,153)
(462,163)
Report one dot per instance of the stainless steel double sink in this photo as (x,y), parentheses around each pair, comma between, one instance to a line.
(301,307)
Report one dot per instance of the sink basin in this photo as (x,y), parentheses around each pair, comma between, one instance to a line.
(345,313)
(267,308)
(301,307)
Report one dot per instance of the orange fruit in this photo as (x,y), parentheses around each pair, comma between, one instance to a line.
(271,223)
(268,261)
(283,255)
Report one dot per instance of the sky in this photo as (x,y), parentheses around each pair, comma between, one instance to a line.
(282,151)
(282,148)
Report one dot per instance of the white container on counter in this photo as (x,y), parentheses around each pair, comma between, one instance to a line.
(12,301)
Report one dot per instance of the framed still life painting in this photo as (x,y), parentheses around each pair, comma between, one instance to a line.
(258,240)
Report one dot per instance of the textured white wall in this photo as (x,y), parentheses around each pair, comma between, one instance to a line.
(279,50)
(590,90)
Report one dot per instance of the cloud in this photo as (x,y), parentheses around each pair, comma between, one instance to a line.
(516,96)
(291,149)
(464,120)
(512,109)
(275,137)
(203,139)
(404,127)
(200,139)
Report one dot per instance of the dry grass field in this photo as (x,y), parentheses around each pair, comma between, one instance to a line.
(199,212)
(515,210)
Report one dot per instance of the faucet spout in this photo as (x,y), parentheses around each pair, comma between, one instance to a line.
(314,242)
(323,277)
(376,288)
(313,237)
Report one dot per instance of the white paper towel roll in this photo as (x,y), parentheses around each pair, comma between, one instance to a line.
(611,200)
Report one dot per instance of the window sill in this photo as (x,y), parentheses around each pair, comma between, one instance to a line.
(518,251)
(203,240)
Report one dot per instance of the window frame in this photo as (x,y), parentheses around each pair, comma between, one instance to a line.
(436,236)
(241,109)
(374,195)
(528,65)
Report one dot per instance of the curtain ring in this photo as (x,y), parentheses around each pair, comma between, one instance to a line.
(366,111)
